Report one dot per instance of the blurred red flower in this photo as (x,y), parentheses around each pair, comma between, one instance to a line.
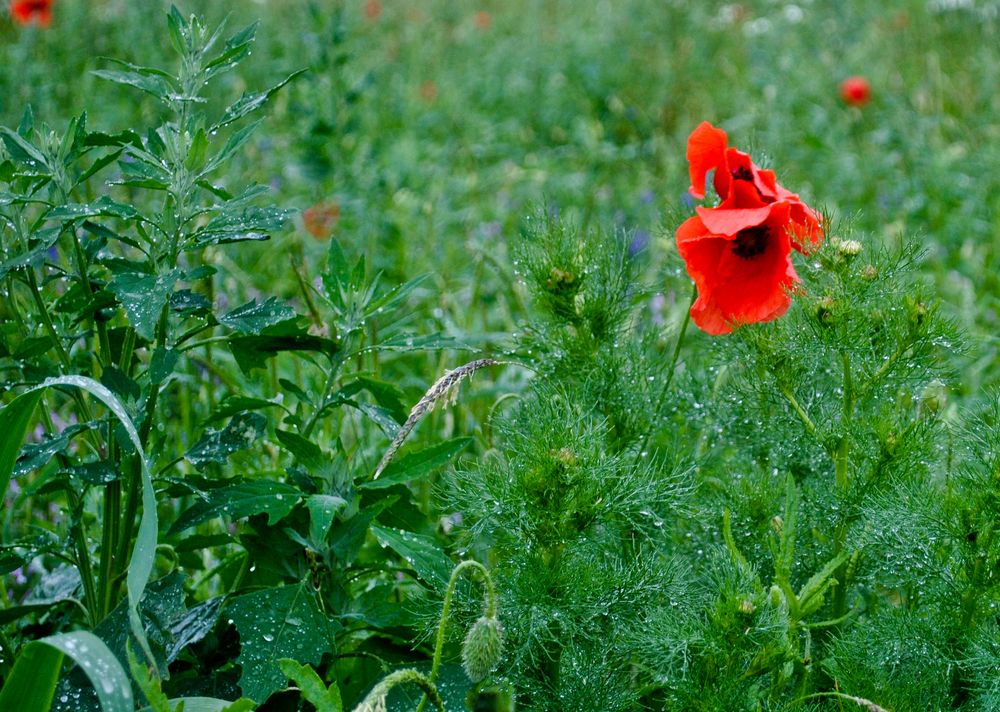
(739,259)
(483,20)
(708,150)
(27,11)
(320,219)
(373,9)
(855,91)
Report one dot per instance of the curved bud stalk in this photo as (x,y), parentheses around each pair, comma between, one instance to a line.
(375,701)
(484,642)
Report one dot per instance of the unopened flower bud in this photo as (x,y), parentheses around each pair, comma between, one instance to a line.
(747,606)
(824,310)
(482,647)
(777,523)
(849,248)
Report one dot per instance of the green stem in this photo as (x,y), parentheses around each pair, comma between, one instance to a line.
(672,368)
(331,377)
(800,411)
(446,610)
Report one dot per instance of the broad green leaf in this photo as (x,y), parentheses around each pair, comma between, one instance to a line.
(415,465)
(35,455)
(162,604)
(103,206)
(277,623)
(45,240)
(378,415)
(162,363)
(237,48)
(234,143)
(238,500)
(144,552)
(347,538)
(420,551)
(249,103)
(252,352)
(15,419)
(31,685)
(217,445)
(232,405)
(323,509)
(239,224)
(22,150)
(208,704)
(194,625)
(385,394)
(402,342)
(313,689)
(143,296)
(148,79)
(252,318)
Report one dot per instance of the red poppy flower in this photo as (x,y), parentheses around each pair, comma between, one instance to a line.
(708,150)
(855,91)
(739,256)
(320,219)
(27,11)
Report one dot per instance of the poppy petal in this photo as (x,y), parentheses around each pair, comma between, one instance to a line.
(706,150)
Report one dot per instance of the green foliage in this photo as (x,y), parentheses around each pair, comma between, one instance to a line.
(799,516)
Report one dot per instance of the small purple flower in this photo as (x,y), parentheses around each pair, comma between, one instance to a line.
(639,242)
(656,306)
(647,197)
(18,575)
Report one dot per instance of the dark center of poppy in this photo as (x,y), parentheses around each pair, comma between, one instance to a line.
(742,173)
(750,242)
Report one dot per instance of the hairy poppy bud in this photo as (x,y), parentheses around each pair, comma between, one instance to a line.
(869,273)
(824,310)
(747,606)
(777,523)
(849,248)
(482,647)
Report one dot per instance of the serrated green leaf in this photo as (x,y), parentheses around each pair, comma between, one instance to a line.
(240,499)
(253,318)
(415,465)
(143,296)
(239,224)
(249,103)
(273,624)
(35,455)
(420,551)
(313,689)
(103,206)
(217,445)
(194,625)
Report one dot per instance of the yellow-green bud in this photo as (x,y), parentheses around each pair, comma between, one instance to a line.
(482,648)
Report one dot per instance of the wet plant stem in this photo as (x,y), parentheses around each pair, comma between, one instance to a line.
(446,611)
(842,474)
(672,368)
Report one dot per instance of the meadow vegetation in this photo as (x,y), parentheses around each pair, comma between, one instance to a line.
(374,355)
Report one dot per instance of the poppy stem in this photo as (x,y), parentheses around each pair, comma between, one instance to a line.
(672,368)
